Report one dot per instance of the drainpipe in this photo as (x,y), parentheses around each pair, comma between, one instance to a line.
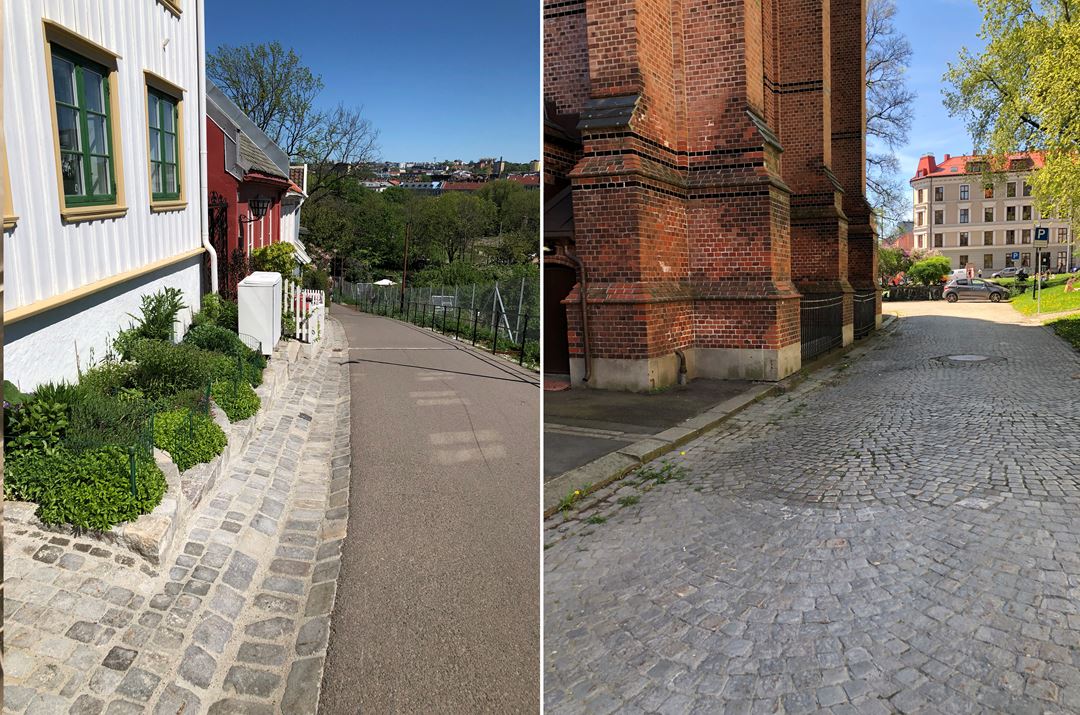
(204,220)
(583,290)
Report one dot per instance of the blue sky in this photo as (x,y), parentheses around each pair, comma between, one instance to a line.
(453,80)
(936,29)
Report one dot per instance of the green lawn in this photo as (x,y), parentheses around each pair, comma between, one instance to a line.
(1054,298)
(1069,329)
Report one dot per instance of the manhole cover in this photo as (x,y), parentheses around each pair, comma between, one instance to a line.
(967,359)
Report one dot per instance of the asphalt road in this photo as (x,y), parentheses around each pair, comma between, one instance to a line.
(438,602)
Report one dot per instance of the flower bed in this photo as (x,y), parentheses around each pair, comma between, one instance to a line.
(84,452)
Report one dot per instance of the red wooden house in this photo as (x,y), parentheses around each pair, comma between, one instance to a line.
(247,178)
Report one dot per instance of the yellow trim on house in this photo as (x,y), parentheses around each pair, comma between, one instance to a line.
(173,6)
(53,32)
(161,206)
(176,92)
(41,306)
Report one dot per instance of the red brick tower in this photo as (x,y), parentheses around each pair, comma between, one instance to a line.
(693,144)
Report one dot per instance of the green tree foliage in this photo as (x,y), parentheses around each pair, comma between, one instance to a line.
(1019,93)
(892,261)
(930,271)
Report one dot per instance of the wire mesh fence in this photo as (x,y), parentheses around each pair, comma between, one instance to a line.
(502,318)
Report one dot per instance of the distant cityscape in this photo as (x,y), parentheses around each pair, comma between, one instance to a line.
(436,177)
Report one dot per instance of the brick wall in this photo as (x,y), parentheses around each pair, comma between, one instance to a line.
(693,225)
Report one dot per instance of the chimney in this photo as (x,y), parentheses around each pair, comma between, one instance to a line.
(945,159)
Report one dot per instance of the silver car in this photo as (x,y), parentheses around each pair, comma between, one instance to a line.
(973,289)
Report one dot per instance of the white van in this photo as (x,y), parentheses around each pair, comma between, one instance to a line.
(958,273)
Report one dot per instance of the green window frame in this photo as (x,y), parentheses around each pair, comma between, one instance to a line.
(163,127)
(84,127)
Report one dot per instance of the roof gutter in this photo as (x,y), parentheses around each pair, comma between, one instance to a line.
(204,219)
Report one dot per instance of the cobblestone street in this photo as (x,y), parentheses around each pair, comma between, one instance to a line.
(899,533)
(237,622)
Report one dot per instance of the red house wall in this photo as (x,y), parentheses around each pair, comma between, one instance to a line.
(218,180)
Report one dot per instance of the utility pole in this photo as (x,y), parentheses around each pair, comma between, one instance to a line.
(405,265)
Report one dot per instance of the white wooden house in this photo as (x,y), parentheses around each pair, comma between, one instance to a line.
(102,147)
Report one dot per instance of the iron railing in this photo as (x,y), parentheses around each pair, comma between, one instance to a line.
(865,305)
(821,321)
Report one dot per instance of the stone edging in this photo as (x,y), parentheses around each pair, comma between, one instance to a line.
(153,536)
(613,466)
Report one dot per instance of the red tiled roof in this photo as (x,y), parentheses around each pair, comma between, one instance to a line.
(526,180)
(462,185)
(959,165)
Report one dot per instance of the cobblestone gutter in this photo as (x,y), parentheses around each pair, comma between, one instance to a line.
(237,620)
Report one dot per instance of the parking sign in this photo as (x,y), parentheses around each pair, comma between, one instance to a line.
(1042,236)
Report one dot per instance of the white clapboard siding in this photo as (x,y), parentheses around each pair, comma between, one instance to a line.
(44,257)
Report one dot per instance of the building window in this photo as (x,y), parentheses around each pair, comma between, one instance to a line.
(1010,237)
(988,215)
(1009,260)
(1063,235)
(81,97)
(939,217)
(1025,213)
(988,191)
(1027,189)
(988,261)
(963,215)
(922,195)
(1025,260)
(164,117)
(1010,213)
(918,218)
(963,238)
(963,262)
(1010,190)
(1062,258)
(964,192)
(82,82)
(939,193)
(939,240)
(1025,235)
(988,238)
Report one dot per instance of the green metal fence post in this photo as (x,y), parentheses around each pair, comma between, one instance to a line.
(131,465)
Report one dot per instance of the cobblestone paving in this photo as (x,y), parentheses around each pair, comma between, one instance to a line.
(238,623)
(899,534)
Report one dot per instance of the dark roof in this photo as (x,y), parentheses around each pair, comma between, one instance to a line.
(559,214)
(268,153)
(252,158)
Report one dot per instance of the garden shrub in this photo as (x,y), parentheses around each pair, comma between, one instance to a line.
(159,311)
(237,399)
(108,377)
(12,394)
(277,257)
(217,311)
(163,368)
(189,437)
(216,338)
(90,490)
(98,418)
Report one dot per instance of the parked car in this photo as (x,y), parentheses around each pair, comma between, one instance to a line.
(1009,272)
(973,289)
(956,274)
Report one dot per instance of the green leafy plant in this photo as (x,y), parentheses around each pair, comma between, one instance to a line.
(596,519)
(90,490)
(237,399)
(216,338)
(288,323)
(661,473)
(37,426)
(629,500)
(162,368)
(99,419)
(217,311)
(189,437)
(571,498)
(158,314)
(12,394)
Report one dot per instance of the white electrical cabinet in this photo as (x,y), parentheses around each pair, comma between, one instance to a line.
(259,301)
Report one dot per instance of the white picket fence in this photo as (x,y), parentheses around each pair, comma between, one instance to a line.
(309,309)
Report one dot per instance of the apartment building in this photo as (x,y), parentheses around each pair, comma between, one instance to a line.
(988,225)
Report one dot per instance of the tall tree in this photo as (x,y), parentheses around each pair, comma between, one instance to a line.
(1020,93)
(279,93)
(888,106)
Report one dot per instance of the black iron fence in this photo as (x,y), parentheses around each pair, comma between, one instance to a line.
(912,292)
(865,306)
(822,323)
(508,333)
